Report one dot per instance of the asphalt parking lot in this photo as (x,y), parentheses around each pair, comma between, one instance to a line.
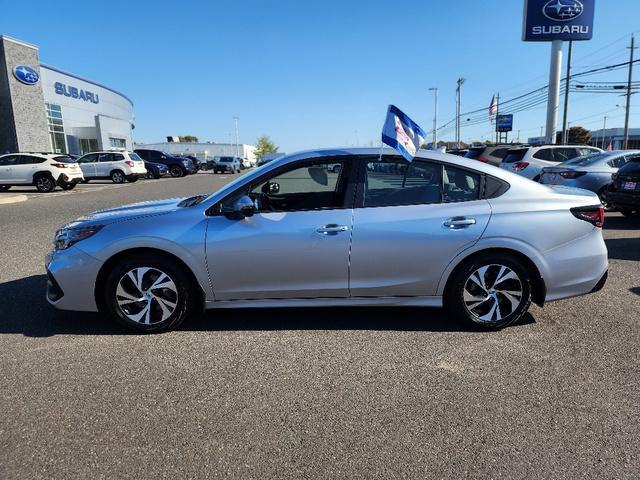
(310,393)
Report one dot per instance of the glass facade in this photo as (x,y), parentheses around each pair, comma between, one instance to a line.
(117,142)
(56,128)
(88,145)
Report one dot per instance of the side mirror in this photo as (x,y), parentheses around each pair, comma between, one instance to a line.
(162,157)
(241,208)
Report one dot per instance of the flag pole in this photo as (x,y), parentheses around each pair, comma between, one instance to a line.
(497,113)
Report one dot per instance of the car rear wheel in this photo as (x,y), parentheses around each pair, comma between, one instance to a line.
(45,184)
(176,171)
(147,293)
(68,186)
(602,195)
(117,176)
(629,213)
(4,188)
(149,175)
(490,291)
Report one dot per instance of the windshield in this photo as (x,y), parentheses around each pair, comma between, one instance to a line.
(167,154)
(588,159)
(134,157)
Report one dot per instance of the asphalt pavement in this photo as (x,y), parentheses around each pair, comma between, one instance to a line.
(310,393)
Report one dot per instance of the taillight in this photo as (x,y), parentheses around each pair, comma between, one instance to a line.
(129,162)
(60,165)
(483,159)
(594,215)
(520,166)
(572,174)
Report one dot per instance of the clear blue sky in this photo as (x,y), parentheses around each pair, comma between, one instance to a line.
(313,73)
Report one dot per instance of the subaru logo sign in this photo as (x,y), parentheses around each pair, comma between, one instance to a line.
(548,20)
(562,11)
(26,74)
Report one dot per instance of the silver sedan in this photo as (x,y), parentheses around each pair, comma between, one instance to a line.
(591,172)
(439,231)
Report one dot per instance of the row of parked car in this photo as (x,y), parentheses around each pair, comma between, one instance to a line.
(47,170)
(613,175)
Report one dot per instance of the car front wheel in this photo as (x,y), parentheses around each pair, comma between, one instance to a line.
(176,171)
(490,291)
(147,293)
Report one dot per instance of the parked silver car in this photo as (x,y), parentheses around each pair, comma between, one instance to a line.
(442,230)
(591,172)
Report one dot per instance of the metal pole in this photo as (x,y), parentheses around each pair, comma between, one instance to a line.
(497,115)
(460,82)
(435,119)
(565,131)
(237,138)
(625,143)
(555,72)
(604,127)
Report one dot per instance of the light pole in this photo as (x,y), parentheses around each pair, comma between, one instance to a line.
(604,127)
(237,138)
(435,118)
(459,84)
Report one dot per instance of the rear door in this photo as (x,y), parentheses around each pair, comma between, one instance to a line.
(7,163)
(104,165)
(88,165)
(411,220)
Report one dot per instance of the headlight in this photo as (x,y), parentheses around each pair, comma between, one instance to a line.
(186,163)
(65,237)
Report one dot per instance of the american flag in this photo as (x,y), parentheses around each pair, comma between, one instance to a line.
(493,108)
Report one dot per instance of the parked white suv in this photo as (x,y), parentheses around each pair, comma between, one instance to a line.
(116,165)
(529,161)
(44,170)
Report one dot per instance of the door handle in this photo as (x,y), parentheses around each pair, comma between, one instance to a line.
(332,229)
(456,223)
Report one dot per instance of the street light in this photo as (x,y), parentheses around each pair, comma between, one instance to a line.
(435,118)
(237,138)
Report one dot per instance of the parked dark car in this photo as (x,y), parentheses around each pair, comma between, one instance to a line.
(492,154)
(196,162)
(624,192)
(178,166)
(155,170)
(460,152)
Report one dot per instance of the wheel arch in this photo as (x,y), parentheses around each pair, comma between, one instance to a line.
(115,258)
(538,286)
(40,173)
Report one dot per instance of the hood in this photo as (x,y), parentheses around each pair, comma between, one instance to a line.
(129,212)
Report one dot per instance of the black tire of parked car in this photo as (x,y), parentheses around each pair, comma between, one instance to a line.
(149,175)
(177,171)
(68,186)
(44,183)
(629,212)
(602,195)
(132,179)
(187,298)
(454,292)
(4,188)
(117,176)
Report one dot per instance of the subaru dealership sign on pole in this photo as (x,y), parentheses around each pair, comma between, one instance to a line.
(556,21)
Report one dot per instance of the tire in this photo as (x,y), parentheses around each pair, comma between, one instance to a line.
(68,186)
(86,180)
(629,213)
(4,188)
(176,171)
(44,183)
(117,176)
(149,175)
(602,195)
(132,179)
(177,298)
(335,169)
(486,306)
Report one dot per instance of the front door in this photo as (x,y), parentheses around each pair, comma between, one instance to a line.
(88,165)
(295,246)
(412,220)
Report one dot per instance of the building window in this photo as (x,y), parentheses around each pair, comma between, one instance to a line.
(56,128)
(88,145)
(117,142)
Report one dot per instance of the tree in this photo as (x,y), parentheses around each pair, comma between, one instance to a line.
(577,136)
(188,138)
(264,146)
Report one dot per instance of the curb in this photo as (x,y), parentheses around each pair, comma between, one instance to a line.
(12,199)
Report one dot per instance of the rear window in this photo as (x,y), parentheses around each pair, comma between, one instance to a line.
(64,159)
(514,156)
(631,168)
(474,153)
(499,152)
(587,159)
(226,159)
(134,157)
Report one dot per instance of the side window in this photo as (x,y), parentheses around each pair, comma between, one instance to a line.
(105,157)
(544,154)
(564,154)
(24,160)
(313,186)
(7,161)
(89,158)
(395,183)
(585,151)
(460,185)
(40,159)
(117,157)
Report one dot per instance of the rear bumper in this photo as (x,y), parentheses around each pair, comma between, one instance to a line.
(623,200)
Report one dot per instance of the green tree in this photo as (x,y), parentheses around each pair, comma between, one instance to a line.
(188,138)
(264,145)
(577,136)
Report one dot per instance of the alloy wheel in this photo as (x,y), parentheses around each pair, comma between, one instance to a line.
(492,293)
(44,184)
(117,177)
(146,295)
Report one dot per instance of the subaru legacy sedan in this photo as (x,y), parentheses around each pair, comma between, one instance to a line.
(439,231)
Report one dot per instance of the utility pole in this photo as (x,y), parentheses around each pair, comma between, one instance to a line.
(459,83)
(435,118)
(237,138)
(555,72)
(565,131)
(625,142)
(604,128)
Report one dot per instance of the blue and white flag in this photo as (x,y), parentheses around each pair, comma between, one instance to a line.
(402,133)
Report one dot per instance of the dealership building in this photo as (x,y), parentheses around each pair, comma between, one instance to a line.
(45,109)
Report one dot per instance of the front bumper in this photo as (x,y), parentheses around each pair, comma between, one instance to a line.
(71,279)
